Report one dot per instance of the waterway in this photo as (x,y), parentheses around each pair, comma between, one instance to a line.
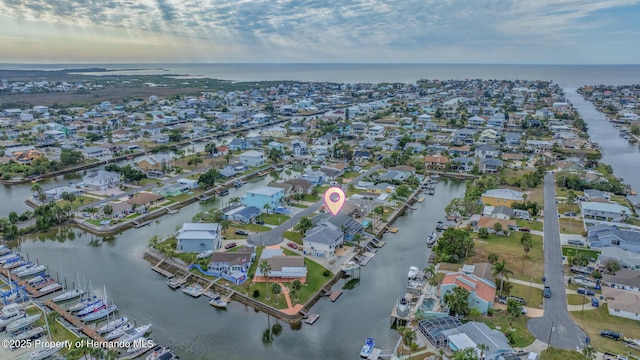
(196,330)
(620,154)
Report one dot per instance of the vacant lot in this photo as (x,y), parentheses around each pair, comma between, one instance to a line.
(561,354)
(571,226)
(573,251)
(531,224)
(593,321)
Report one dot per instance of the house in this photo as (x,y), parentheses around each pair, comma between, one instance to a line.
(376,132)
(472,334)
(488,223)
(314,177)
(464,164)
(340,222)
(25,157)
(597,195)
(143,200)
(501,212)
(481,291)
(361,156)
(198,237)
(459,150)
(504,197)
(237,144)
(55,194)
(101,180)
(626,259)
(243,214)
(232,266)
(622,303)
(283,268)
(477,121)
(322,241)
(490,165)
(94,152)
(602,235)
(604,211)
(297,127)
(298,148)
(435,161)
(191,184)
(416,147)
(623,279)
(263,196)
(275,145)
(487,151)
(253,158)
(171,190)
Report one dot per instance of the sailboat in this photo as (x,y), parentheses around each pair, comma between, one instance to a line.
(23,322)
(133,334)
(112,325)
(102,312)
(118,332)
(50,349)
(71,294)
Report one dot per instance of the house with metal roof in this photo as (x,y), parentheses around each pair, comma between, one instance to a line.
(322,241)
(605,211)
(198,237)
(101,180)
(472,334)
(283,268)
(506,197)
(602,235)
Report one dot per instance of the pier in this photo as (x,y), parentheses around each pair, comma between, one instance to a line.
(162,271)
(35,292)
(74,321)
(335,295)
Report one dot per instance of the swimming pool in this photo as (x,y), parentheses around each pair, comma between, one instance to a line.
(427,304)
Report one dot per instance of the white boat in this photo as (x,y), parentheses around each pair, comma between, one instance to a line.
(431,240)
(46,351)
(112,325)
(194,290)
(36,279)
(69,295)
(83,304)
(32,271)
(118,332)
(51,287)
(25,266)
(218,302)
(403,307)
(91,308)
(30,334)
(133,334)
(204,254)
(102,313)
(413,272)
(161,353)
(140,346)
(23,322)
(7,319)
(367,348)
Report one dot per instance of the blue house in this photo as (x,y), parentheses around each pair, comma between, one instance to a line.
(314,177)
(199,237)
(238,144)
(603,235)
(264,195)
(481,292)
(244,214)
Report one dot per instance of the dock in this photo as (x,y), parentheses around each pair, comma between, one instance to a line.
(335,295)
(74,321)
(33,291)
(141,224)
(171,211)
(375,354)
(311,319)
(204,198)
(162,271)
(420,200)
(393,230)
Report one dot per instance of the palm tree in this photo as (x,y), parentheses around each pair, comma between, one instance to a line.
(357,238)
(276,290)
(234,200)
(502,270)
(224,225)
(303,225)
(482,347)
(37,189)
(296,285)
(589,353)
(267,207)
(265,269)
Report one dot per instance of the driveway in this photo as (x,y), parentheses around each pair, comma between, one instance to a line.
(555,326)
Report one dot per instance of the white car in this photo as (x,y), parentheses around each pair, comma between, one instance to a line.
(523,310)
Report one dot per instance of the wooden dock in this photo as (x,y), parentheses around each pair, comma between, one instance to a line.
(420,200)
(139,225)
(394,230)
(171,211)
(311,319)
(227,298)
(335,295)
(375,354)
(204,198)
(162,271)
(33,291)
(74,321)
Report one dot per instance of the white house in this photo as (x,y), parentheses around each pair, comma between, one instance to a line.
(199,237)
(192,184)
(622,303)
(101,180)
(275,131)
(605,211)
(94,152)
(376,132)
(321,241)
(253,158)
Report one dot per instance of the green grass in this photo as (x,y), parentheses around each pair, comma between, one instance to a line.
(274,219)
(571,226)
(593,321)
(96,222)
(532,295)
(301,206)
(312,198)
(553,353)
(570,251)
(350,174)
(293,236)
(255,227)
(533,225)
(58,332)
(510,249)
(577,299)
(521,336)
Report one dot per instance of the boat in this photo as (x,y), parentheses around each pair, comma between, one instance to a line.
(112,325)
(32,333)
(4,250)
(51,287)
(218,302)
(83,304)
(36,279)
(403,307)
(9,318)
(431,240)
(24,266)
(439,226)
(48,351)
(194,290)
(204,254)
(92,307)
(118,332)
(133,334)
(413,272)
(69,295)
(140,346)
(102,313)
(367,348)
(14,265)
(23,322)
(47,281)
(32,271)
(175,283)
(161,353)
(11,259)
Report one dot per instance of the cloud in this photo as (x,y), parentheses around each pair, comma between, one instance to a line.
(340,30)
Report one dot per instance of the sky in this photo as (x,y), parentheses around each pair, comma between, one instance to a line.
(321,31)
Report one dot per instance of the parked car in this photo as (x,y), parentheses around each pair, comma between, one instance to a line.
(241,232)
(570,214)
(523,310)
(524,229)
(502,299)
(547,292)
(224,192)
(259,222)
(230,245)
(611,334)
(518,299)
(293,245)
(584,291)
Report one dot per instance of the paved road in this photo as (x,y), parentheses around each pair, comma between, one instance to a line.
(274,236)
(556,323)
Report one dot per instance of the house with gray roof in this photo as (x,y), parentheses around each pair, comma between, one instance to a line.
(464,164)
(232,266)
(490,165)
(198,237)
(603,235)
(322,241)
(472,334)
(101,180)
(339,222)
(487,151)
(283,268)
(604,211)
(623,279)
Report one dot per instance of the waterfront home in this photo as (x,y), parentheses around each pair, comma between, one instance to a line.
(435,161)
(604,211)
(339,222)
(472,334)
(622,304)
(504,197)
(602,235)
(56,193)
(623,279)
(459,150)
(490,165)
(189,183)
(314,177)
(487,151)
(253,158)
(243,214)
(27,156)
(145,200)
(172,189)
(237,144)
(481,291)
(283,268)
(198,237)
(95,152)
(464,164)
(232,266)
(262,196)
(300,186)
(597,195)
(322,241)
(275,131)
(489,222)
(101,180)
(155,162)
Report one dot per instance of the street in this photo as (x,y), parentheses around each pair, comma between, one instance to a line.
(555,327)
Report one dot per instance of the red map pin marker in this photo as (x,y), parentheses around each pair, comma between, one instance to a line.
(334,199)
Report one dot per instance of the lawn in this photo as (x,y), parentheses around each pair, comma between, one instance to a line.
(577,299)
(593,321)
(274,219)
(255,227)
(185,196)
(499,321)
(350,174)
(533,225)
(553,353)
(571,251)
(532,295)
(293,236)
(301,206)
(58,332)
(571,226)
(510,249)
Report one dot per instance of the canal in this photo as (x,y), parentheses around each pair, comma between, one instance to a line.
(197,330)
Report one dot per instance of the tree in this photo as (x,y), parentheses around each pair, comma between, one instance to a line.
(482,347)
(612,266)
(497,227)
(357,238)
(453,246)
(267,207)
(71,157)
(265,270)
(234,200)
(589,353)
(37,189)
(208,178)
(457,301)
(303,225)
(501,269)
(195,160)
(276,290)
(13,217)
(514,310)
(107,210)
(224,225)
(492,258)
(296,285)
(483,233)
(527,242)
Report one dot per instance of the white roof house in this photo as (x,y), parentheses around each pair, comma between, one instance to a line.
(507,194)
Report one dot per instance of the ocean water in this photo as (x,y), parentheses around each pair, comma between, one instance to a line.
(564,75)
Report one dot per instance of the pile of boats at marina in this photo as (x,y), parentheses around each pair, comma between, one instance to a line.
(30,273)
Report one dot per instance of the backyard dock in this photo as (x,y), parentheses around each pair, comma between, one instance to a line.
(420,200)
(141,224)
(335,295)
(74,321)
(162,271)
(311,319)
(204,198)
(375,354)
(394,230)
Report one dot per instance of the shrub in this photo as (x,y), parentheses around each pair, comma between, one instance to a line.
(256,293)
(326,273)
